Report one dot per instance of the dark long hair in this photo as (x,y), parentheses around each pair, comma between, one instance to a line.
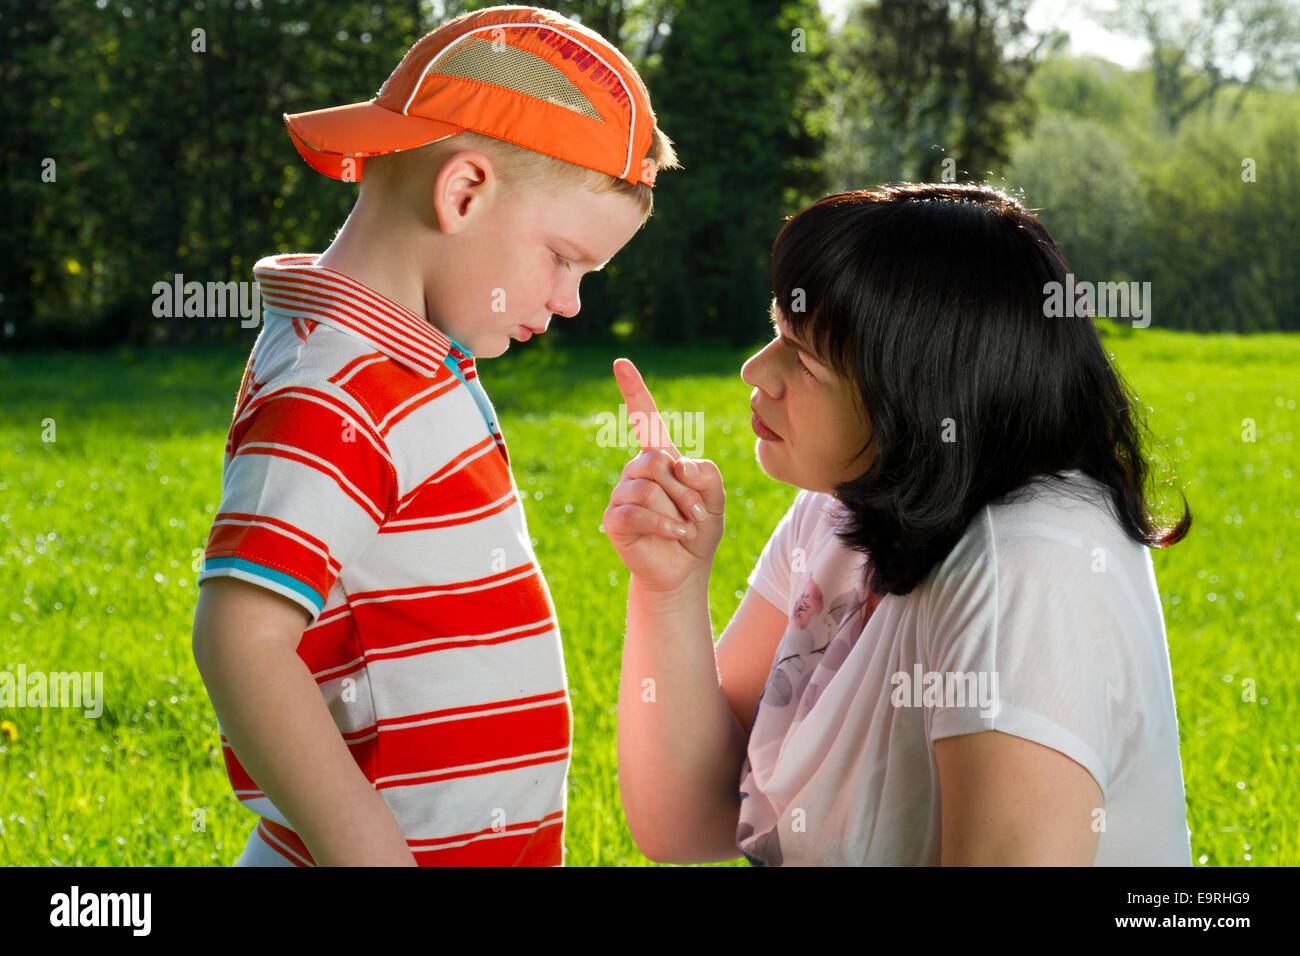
(931,299)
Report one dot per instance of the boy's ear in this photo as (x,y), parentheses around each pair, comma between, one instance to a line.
(462,188)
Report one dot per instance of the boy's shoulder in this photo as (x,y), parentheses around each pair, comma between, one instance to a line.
(303,360)
(321,379)
(341,355)
(325,331)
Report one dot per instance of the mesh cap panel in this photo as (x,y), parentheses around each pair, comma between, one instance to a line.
(474,58)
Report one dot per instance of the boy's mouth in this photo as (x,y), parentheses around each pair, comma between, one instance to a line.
(526,332)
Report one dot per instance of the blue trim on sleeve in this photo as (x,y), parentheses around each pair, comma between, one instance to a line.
(270,574)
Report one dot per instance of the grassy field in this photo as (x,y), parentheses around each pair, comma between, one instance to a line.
(101,527)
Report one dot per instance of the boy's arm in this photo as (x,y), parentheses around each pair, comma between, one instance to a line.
(273,714)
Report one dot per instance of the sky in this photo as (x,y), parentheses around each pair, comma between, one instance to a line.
(1086,37)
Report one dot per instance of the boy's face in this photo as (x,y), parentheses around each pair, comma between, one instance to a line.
(519,258)
(814,413)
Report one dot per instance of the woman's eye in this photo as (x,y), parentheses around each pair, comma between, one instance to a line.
(798,361)
(560,259)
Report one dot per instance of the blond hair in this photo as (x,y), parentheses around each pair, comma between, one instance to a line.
(520,168)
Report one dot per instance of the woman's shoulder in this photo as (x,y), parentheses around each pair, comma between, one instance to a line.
(808,531)
(1049,567)
(1063,525)
(1072,509)
(812,513)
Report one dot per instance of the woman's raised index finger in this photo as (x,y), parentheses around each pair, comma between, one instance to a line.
(641,410)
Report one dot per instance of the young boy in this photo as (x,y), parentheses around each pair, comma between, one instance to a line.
(373,628)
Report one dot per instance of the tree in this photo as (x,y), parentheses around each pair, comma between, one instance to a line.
(919,79)
(1079,179)
(1200,49)
(741,89)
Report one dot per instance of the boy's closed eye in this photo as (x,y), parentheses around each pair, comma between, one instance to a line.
(576,256)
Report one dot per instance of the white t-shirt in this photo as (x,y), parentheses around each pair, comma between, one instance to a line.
(1043,622)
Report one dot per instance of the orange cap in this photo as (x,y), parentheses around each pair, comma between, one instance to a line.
(519,74)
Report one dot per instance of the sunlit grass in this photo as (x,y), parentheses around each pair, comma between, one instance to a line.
(102,524)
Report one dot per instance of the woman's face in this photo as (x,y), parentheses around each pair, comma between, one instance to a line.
(812,411)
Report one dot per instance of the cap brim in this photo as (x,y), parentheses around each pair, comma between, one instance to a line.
(329,138)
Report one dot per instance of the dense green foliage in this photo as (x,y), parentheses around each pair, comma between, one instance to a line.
(145,140)
(1207,215)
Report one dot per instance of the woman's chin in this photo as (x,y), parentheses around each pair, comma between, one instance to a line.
(769,461)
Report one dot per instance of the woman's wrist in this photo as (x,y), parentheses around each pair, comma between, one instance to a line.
(693,589)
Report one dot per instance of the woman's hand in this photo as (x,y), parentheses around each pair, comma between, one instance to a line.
(658,496)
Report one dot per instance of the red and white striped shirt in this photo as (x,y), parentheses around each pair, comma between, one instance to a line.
(366,479)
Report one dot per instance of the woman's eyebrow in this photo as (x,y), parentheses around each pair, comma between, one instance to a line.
(791,342)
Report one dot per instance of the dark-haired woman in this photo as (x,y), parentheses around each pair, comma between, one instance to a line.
(952,649)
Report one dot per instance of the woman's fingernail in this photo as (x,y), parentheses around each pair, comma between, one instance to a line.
(697,509)
(682,530)
(689,468)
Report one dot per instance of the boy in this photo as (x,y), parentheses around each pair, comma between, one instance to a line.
(374,631)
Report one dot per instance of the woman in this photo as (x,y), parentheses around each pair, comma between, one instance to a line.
(952,649)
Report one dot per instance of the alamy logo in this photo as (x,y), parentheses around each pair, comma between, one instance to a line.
(1113,300)
(55,689)
(214,300)
(683,429)
(102,909)
(953,689)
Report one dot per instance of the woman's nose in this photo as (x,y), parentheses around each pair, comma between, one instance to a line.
(757,371)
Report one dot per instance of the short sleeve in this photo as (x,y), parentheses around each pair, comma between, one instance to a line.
(1020,641)
(771,575)
(307,482)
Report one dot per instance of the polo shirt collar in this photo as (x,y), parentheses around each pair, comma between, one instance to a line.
(293,285)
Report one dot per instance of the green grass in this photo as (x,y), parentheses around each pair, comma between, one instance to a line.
(100,529)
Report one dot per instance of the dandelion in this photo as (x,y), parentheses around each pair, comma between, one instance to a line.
(9,730)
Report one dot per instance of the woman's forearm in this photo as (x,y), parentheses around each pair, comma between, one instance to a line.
(680,747)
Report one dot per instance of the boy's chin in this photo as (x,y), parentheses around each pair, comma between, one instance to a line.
(489,346)
(495,347)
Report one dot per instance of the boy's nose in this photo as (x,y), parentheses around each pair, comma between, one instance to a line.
(566,305)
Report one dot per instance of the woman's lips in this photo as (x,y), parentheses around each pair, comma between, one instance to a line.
(762,431)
